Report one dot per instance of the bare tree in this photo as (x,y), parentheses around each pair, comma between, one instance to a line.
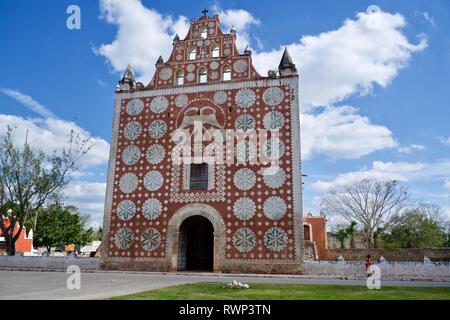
(434,213)
(371,204)
(29,177)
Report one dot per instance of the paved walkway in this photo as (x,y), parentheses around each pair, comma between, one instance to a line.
(101,285)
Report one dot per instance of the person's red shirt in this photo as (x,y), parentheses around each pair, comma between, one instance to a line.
(368,263)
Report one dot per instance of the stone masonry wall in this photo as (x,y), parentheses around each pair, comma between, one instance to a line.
(49,263)
(348,269)
(435,254)
(389,270)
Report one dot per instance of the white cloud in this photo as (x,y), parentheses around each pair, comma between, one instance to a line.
(445,141)
(49,134)
(103,84)
(426,16)
(28,102)
(447,184)
(350,60)
(241,20)
(89,198)
(143,35)
(333,65)
(424,174)
(380,171)
(338,132)
(135,23)
(401,171)
(53,134)
(336,64)
(413,147)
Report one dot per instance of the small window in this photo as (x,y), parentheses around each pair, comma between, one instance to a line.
(192,54)
(179,78)
(199,176)
(226,73)
(306,233)
(204,34)
(202,76)
(215,52)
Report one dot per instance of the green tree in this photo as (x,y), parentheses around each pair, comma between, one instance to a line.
(98,234)
(351,230)
(342,236)
(423,227)
(59,226)
(377,235)
(447,240)
(29,177)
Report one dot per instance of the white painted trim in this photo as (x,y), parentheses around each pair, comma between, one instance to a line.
(187,177)
(211,172)
(226,85)
(110,179)
(296,166)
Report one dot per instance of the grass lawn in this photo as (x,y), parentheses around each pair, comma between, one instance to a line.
(216,291)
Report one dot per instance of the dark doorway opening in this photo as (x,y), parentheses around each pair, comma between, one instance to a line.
(306,233)
(196,245)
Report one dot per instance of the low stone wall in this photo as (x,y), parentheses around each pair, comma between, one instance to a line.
(48,263)
(435,254)
(389,270)
(347,269)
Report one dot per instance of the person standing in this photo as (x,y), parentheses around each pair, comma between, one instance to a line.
(367,264)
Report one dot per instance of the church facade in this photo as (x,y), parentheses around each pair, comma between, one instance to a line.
(204,170)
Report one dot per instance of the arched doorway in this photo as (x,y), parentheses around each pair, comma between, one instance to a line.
(196,244)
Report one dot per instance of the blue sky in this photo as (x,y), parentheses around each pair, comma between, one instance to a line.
(375,100)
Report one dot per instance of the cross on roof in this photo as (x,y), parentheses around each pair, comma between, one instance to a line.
(205,11)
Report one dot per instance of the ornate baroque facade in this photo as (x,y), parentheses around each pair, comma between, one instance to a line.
(255,218)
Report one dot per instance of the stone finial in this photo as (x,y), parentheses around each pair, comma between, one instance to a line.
(128,81)
(233,31)
(129,74)
(272,74)
(287,66)
(160,61)
(176,38)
